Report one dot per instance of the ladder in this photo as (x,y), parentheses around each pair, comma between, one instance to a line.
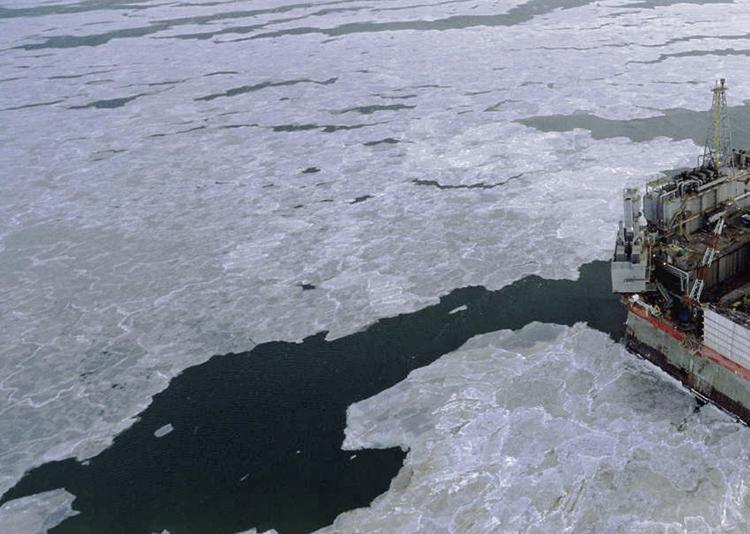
(708,258)
(664,293)
(696,290)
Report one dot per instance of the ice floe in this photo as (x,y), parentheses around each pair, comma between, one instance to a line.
(550,429)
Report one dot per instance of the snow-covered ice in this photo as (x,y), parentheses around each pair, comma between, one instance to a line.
(550,429)
(154,205)
(163,430)
(36,514)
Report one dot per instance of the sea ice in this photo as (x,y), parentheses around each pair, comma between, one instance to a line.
(157,211)
(550,429)
(163,431)
(36,514)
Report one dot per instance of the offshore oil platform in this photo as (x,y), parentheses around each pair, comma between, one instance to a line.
(682,267)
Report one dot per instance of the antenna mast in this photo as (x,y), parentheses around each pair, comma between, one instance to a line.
(718,149)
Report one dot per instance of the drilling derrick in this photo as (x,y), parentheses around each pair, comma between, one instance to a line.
(718,148)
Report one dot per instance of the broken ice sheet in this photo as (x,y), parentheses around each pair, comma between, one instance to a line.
(126,264)
(549,429)
(36,514)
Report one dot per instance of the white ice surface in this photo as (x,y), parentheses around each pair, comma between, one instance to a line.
(163,430)
(139,240)
(37,513)
(550,429)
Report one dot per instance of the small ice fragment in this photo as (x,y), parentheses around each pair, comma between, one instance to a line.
(163,431)
(353,456)
(298,451)
(456,310)
(244,477)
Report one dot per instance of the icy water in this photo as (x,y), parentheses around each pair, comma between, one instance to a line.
(254,439)
(188,179)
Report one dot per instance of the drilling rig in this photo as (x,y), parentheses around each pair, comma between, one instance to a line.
(682,267)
